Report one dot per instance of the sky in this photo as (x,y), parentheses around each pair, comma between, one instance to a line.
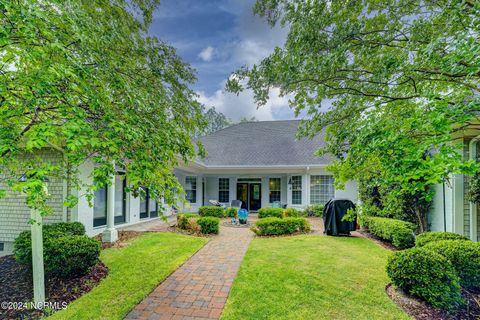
(216,37)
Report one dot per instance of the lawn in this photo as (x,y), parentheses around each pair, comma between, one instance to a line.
(134,271)
(312,277)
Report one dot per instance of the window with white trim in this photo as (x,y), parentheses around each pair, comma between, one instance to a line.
(223,190)
(321,189)
(275,187)
(296,189)
(191,189)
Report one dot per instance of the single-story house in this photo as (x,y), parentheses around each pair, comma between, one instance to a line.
(258,163)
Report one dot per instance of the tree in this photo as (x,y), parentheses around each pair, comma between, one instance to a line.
(84,78)
(245,119)
(215,121)
(402,76)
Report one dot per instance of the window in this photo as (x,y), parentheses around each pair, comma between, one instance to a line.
(321,189)
(191,189)
(148,206)
(100,203)
(223,190)
(297,190)
(120,198)
(100,207)
(274,185)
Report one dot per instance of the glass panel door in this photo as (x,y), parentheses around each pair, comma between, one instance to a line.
(255,196)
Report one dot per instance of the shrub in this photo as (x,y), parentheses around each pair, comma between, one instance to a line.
(182,219)
(209,225)
(67,228)
(231,212)
(23,243)
(291,212)
(277,226)
(427,275)
(71,255)
(465,258)
(314,210)
(426,237)
(398,232)
(211,211)
(270,212)
(193,225)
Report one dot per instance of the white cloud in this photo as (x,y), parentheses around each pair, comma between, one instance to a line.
(235,107)
(207,54)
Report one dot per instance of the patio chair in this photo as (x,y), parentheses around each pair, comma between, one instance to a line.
(216,203)
(236,204)
(276,204)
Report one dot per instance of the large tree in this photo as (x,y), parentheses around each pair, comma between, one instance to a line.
(85,78)
(215,121)
(397,79)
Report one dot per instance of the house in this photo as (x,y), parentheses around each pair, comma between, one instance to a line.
(258,163)
(451,211)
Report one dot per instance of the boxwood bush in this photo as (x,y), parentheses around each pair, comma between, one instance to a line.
(277,226)
(270,212)
(399,233)
(71,255)
(211,211)
(427,275)
(231,212)
(426,237)
(209,225)
(67,251)
(314,210)
(465,258)
(182,219)
(23,243)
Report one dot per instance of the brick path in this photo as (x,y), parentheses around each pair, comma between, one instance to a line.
(199,288)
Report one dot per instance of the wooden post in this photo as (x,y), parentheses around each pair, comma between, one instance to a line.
(37,257)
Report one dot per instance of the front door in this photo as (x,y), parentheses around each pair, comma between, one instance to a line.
(250,194)
(255,194)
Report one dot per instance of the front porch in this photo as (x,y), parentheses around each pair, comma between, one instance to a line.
(259,187)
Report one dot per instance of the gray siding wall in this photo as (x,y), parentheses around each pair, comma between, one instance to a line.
(14,214)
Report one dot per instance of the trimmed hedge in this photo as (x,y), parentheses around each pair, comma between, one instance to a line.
(209,225)
(211,211)
(182,219)
(399,233)
(23,243)
(465,258)
(291,212)
(314,210)
(277,226)
(67,251)
(427,275)
(71,256)
(231,212)
(270,212)
(426,237)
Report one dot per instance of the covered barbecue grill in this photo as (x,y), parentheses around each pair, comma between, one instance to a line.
(333,212)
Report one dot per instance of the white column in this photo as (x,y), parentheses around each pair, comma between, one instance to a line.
(37,257)
(110,234)
(289,191)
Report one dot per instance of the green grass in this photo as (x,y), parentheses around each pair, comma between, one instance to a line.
(134,271)
(312,277)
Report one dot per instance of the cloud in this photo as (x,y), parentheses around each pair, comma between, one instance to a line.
(207,54)
(235,107)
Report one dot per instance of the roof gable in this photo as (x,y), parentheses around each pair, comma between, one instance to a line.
(262,143)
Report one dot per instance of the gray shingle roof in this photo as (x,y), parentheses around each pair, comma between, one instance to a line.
(261,143)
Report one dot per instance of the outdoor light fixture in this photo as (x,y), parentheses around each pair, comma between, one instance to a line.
(290,181)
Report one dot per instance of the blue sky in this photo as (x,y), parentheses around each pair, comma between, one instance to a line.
(216,37)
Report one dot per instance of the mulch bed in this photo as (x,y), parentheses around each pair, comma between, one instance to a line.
(422,311)
(16,286)
(377,240)
(123,237)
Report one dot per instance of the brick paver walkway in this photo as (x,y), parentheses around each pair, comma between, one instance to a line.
(199,288)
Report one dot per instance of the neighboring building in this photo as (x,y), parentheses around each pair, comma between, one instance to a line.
(256,162)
